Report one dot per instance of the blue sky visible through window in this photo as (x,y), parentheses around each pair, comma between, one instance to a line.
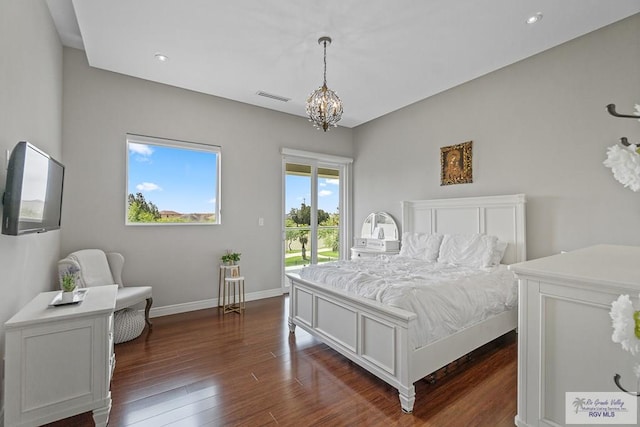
(174,179)
(299,189)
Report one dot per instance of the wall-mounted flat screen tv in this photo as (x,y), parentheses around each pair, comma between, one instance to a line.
(32,201)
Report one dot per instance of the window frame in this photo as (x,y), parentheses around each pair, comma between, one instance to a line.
(181,144)
(320,160)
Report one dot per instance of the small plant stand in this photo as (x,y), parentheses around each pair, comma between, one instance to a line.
(225,271)
(233,291)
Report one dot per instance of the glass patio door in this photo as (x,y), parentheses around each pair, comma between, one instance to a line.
(314,198)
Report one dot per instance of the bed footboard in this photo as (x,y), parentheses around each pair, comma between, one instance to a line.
(374,336)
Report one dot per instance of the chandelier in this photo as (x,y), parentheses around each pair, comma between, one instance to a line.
(324,108)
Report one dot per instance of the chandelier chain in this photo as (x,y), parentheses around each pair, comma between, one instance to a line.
(325,62)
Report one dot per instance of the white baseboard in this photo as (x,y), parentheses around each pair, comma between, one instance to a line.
(208,303)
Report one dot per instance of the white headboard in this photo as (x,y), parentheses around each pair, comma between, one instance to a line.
(501,216)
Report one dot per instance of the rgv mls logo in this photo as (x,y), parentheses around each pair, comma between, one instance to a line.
(600,408)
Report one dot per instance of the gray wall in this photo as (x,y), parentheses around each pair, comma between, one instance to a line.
(30,109)
(538,127)
(181,262)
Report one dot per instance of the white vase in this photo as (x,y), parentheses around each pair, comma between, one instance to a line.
(67,296)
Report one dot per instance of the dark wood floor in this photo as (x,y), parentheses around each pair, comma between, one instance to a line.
(206,369)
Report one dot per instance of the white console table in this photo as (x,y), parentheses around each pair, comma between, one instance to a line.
(564,339)
(59,360)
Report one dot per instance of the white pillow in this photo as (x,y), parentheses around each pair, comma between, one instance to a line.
(498,252)
(421,245)
(467,249)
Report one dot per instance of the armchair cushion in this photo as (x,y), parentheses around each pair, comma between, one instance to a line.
(128,296)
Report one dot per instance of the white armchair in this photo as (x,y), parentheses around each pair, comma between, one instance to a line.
(97,268)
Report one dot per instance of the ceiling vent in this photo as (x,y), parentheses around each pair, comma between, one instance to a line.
(272,96)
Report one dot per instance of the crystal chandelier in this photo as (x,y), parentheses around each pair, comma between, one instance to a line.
(324,108)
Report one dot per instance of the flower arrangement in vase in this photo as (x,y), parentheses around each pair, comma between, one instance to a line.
(68,283)
(230,257)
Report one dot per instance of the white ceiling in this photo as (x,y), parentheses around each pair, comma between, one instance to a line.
(385,54)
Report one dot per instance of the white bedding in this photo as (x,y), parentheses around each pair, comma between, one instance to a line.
(445,297)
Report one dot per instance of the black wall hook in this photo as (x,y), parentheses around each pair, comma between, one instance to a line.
(616,379)
(611,108)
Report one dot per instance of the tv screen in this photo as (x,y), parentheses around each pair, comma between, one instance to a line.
(32,201)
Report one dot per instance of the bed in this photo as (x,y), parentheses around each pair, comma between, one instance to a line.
(381,338)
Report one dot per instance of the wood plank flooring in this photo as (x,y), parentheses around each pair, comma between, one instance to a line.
(207,369)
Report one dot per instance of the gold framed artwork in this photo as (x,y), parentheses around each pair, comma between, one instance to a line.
(455,164)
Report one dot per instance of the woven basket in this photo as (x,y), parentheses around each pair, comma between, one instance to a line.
(128,324)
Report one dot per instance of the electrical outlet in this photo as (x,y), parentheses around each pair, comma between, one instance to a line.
(260,221)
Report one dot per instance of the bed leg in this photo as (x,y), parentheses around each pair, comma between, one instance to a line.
(292,326)
(407,399)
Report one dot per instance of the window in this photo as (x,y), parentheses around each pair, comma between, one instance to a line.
(172,182)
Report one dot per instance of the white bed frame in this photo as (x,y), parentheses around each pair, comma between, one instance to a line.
(376,336)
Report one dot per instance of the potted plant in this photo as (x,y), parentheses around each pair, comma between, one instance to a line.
(69,283)
(230,258)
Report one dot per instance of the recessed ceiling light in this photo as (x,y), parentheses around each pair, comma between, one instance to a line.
(161,57)
(534,18)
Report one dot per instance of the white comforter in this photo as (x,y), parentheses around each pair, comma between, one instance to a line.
(445,297)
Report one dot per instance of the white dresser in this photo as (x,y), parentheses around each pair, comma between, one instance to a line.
(564,340)
(369,248)
(364,252)
(378,236)
(59,360)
